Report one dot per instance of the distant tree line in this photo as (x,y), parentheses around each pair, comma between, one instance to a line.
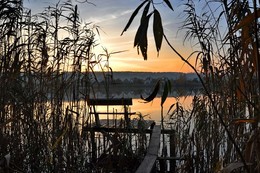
(181,81)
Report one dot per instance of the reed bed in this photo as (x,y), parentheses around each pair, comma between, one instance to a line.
(220,133)
(43,110)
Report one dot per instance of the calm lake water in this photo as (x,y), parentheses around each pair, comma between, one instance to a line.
(151,110)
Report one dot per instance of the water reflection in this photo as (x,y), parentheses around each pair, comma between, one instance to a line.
(152,110)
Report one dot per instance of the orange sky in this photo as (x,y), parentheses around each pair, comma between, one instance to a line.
(129,60)
(112,16)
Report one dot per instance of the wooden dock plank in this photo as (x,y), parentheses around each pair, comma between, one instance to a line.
(152,153)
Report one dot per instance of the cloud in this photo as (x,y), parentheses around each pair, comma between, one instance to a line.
(126,12)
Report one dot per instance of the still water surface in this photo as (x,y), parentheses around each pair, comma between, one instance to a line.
(151,110)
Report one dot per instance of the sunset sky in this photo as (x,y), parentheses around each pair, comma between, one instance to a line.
(112,16)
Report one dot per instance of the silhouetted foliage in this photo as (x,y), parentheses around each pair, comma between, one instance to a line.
(222,127)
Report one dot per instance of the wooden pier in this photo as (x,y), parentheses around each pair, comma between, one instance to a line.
(112,144)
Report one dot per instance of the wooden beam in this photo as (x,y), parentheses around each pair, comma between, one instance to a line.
(123,130)
(152,153)
(113,130)
(113,101)
(113,113)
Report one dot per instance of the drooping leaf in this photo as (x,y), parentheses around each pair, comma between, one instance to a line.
(133,16)
(165,94)
(169,4)
(141,36)
(170,108)
(169,86)
(145,12)
(154,93)
(112,73)
(166,90)
(157,30)
(143,48)
(142,30)
(138,35)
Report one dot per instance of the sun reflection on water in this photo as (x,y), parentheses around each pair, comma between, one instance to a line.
(152,110)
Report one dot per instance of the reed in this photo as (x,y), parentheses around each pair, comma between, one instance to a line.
(43,108)
(39,131)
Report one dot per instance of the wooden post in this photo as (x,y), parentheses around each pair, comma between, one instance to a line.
(172,151)
(97,120)
(93,146)
(126,116)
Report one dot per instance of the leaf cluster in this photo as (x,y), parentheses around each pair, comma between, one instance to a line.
(141,41)
(166,89)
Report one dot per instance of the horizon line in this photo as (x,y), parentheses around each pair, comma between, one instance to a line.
(149,71)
